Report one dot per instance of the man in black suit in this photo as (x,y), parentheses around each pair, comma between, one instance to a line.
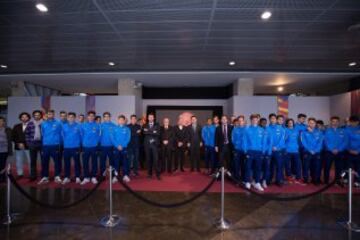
(167,145)
(151,131)
(181,143)
(195,143)
(223,142)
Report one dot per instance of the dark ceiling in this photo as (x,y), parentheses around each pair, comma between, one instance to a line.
(146,35)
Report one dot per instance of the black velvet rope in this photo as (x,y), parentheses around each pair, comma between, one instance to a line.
(47,205)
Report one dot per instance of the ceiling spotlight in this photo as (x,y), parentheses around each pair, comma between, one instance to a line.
(280,89)
(111,64)
(352,64)
(3,66)
(41,7)
(266,15)
(232,63)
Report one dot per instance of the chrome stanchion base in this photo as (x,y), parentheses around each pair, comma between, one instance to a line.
(223,224)
(110,221)
(349,226)
(9,219)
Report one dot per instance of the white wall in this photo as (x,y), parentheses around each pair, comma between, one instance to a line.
(340,105)
(68,104)
(16,105)
(116,105)
(317,107)
(247,105)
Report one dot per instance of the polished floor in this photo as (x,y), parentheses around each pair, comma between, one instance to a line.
(251,217)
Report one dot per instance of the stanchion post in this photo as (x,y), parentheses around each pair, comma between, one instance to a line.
(111,220)
(349,225)
(222,223)
(9,218)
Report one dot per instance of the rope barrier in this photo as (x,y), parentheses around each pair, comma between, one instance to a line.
(171,205)
(47,205)
(284,199)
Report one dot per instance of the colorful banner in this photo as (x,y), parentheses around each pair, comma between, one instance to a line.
(45,103)
(283,105)
(355,102)
(90,103)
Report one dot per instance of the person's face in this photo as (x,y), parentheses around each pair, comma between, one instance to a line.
(216,120)
(290,124)
(166,122)
(91,117)
(37,116)
(81,118)
(301,119)
(312,124)
(280,121)
(121,121)
(98,120)
(151,118)
(24,118)
(107,118)
(273,120)
(2,123)
(334,123)
(62,116)
(71,118)
(224,120)
(263,123)
(209,122)
(193,120)
(241,122)
(133,120)
(50,115)
(254,121)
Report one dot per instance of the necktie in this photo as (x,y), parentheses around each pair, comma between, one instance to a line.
(225,135)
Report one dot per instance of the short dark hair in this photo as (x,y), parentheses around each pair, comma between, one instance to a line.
(311,119)
(72,114)
(97,117)
(320,122)
(289,120)
(107,113)
(335,118)
(252,116)
(133,116)
(36,111)
(151,114)
(353,118)
(81,115)
(301,115)
(24,113)
(280,116)
(50,111)
(91,112)
(2,118)
(272,115)
(263,119)
(193,116)
(241,116)
(121,116)
(62,112)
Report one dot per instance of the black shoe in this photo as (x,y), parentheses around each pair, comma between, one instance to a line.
(158,177)
(18,177)
(32,179)
(149,176)
(182,170)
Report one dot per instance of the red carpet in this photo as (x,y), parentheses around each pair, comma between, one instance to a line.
(187,182)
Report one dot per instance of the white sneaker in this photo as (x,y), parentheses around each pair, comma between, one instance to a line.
(85,181)
(258,187)
(248,185)
(264,184)
(126,178)
(43,181)
(77,180)
(66,181)
(114,180)
(357,184)
(57,180)
(94,180)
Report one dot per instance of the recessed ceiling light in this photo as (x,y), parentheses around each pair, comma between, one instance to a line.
(280,89)
(265,15)
(111,64)
(352,64)
(41,7)
(232,63)
(3,66)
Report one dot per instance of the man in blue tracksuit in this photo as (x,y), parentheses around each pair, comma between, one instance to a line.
(120,139)
(208,137)
(335,142)
(267,159)
(90,134)
(312,140)
(254,149)
(238,139)
(353,147)
(277,133)
(71,135)
(292,155)
(106,147)
(51,137)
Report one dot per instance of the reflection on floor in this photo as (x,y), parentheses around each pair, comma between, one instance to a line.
(251,217)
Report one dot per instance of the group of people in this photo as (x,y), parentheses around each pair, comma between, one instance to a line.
(257,154)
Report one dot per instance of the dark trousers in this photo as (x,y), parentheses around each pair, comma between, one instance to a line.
(225,156)
(253,165)
(354,162)
(209,157)
(90,152)
(72,153)
(312,164)
(239,165)
(120,159)
(34,149)
(166,158)
(3,158)
(279,165)
(195,156)
(293,165)
(50,151)
(106,153)
(133,156)
(179,158)
(266,167)
(152,159)
(340,165)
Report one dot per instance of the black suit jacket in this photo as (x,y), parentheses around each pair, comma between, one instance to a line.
(219,136)
(169,135)
(151,134)
(195,136)
(18,136)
